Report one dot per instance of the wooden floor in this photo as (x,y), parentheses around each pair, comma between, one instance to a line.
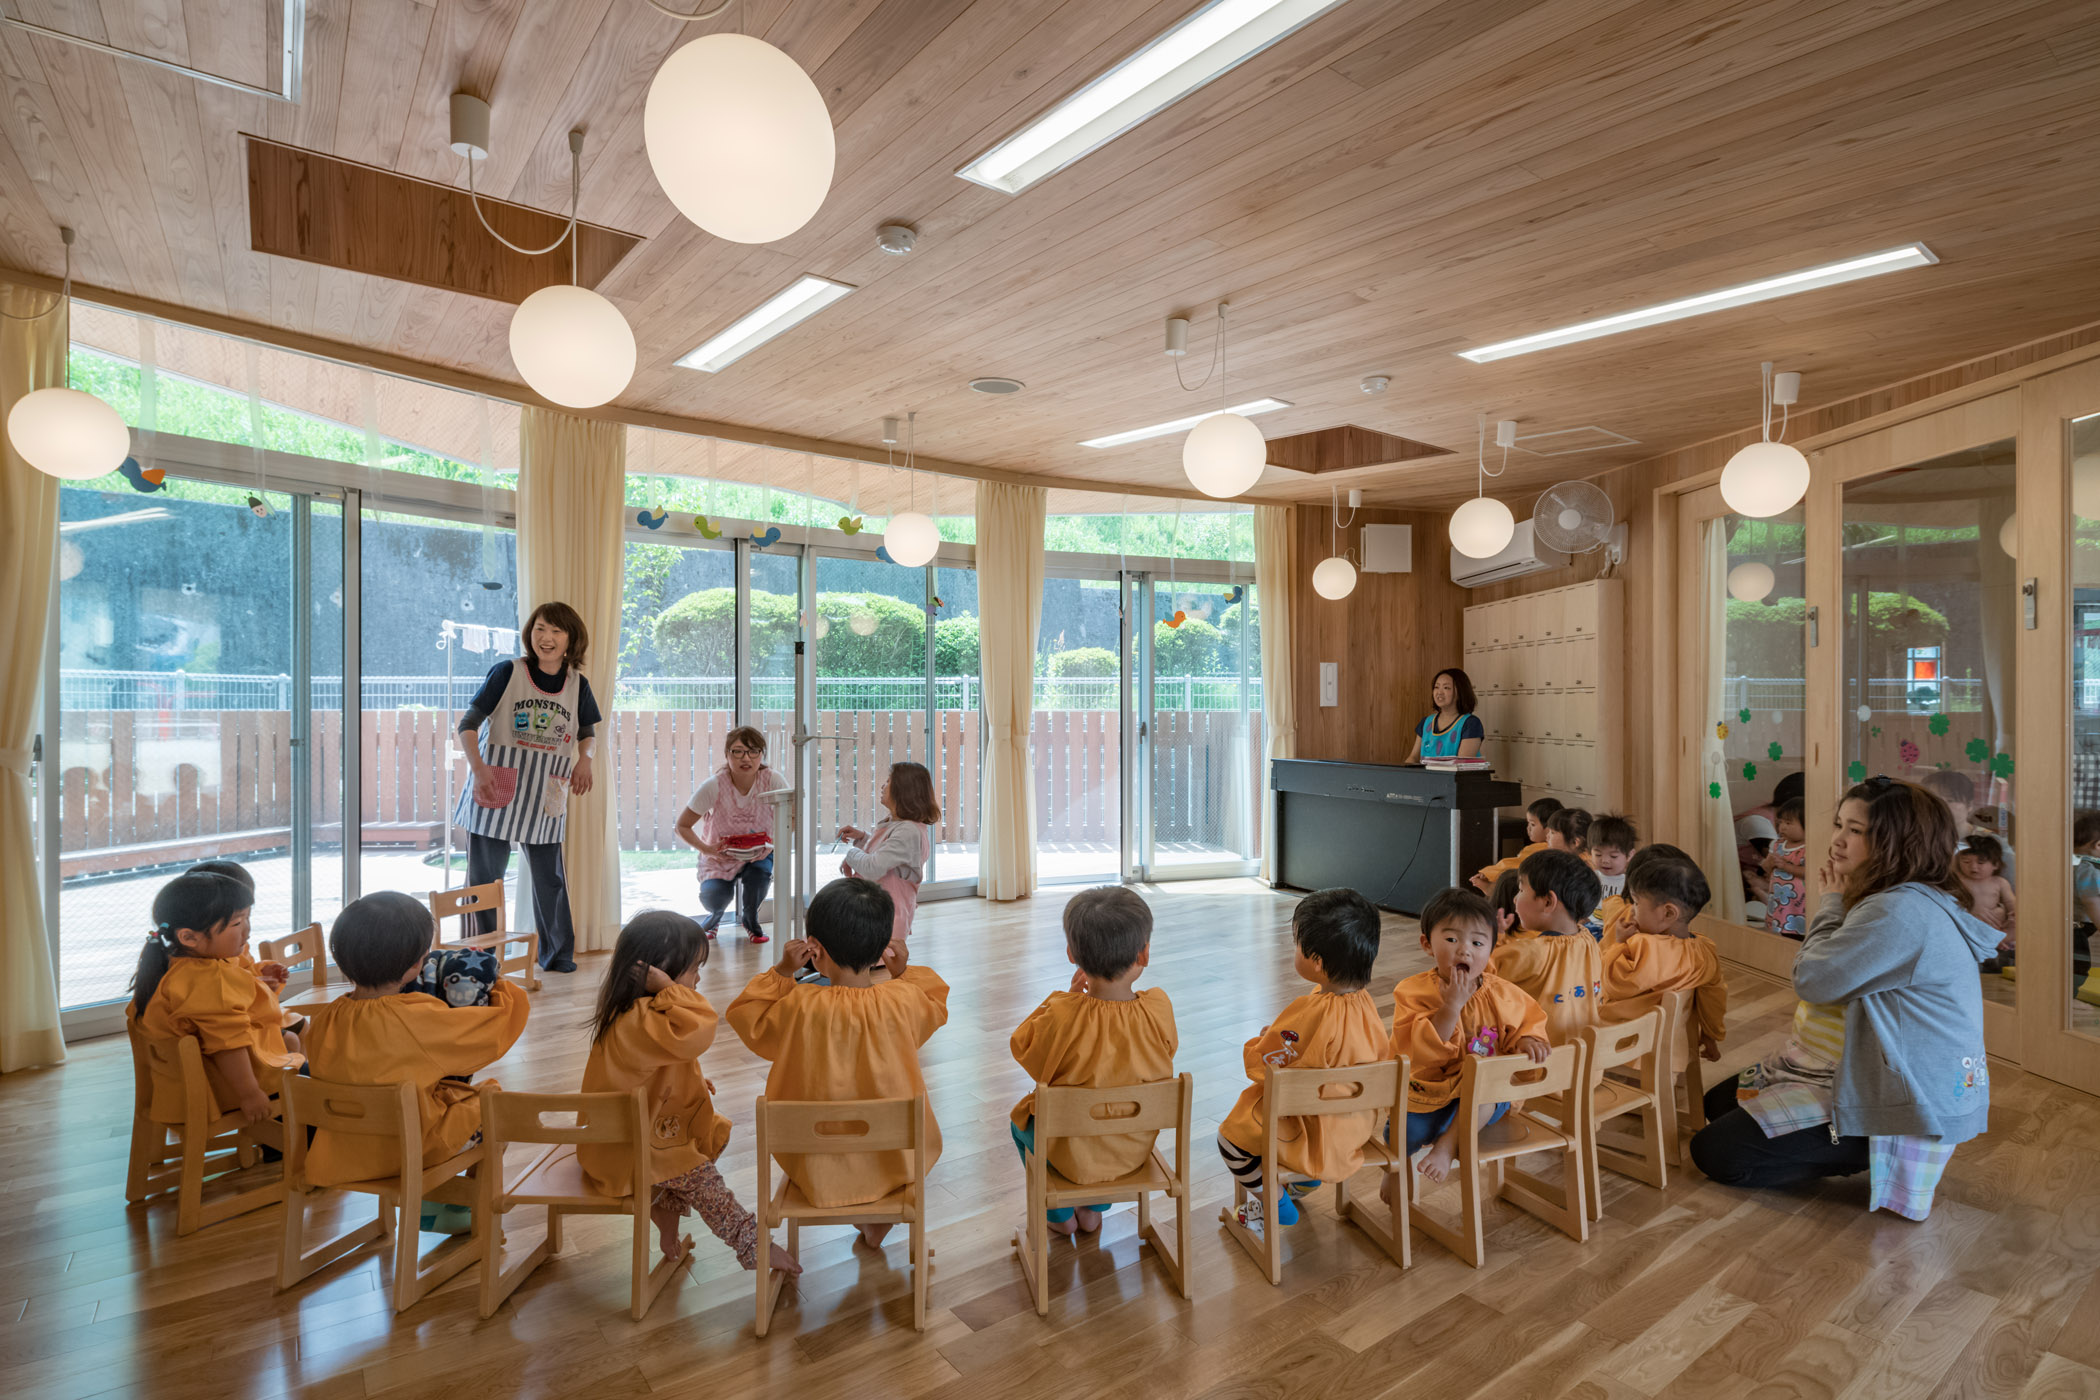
(1701,1291)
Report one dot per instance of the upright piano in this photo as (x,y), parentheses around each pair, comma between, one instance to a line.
(1396,834)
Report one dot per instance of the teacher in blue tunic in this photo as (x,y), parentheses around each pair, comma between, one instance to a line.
(1454,730)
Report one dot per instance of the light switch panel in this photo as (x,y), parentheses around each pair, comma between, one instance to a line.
(1330,683)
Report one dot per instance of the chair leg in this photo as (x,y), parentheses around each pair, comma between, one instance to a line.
(1470,1225)
(919,1266)
(148,1141)
(1039,1246)
(408,1241)
(764,1273)
(1272,1228)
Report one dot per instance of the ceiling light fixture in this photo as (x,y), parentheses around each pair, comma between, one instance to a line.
(1224,454)
(1807,280)
(1334,577)
(997,384)
(1482,527)
(570,345)
(911,538)
(1769,477)
(62,431)
(778,314)
(1210,42)
(1244,410)
(738,135)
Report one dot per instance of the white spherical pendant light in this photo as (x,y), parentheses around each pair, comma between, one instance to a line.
(1751,583)
(1764,479)
(1334,578)
(739,138)
(2009,536)
(1224,455)
(68,434)
(911,538)
(1482,528)
(572,346)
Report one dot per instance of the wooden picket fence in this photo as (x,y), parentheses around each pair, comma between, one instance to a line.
(141,788)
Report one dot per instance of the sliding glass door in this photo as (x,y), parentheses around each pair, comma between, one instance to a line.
(196,700)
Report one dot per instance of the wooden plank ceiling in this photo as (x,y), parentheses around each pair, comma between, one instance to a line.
(1398,181)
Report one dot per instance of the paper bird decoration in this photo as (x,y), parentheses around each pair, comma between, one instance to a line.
(146,479)
(850,524)
(651,519)
(707,528)
(1238,592)
(1178,618)
(771,535)
(882,552)
(260,507)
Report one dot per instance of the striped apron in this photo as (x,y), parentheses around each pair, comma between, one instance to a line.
(535,733)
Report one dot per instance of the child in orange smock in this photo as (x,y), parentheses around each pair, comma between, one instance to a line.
(1613,841)
(1333,1026)
(1662,954)
(1558,963)
(1535,818)
(651,1027)
(195,978)
(1457,1008)
(1098,1033)
(381,1033)
(852,1038)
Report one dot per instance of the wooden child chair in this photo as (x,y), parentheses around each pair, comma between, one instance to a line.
(517,954)
(1295,1093)
(554,1179)
(1073,1111)
(1510,1079)
(390,1112)
(206,1145)
(307,947)
(1682,1040)
(1640,1044)
(857,1125)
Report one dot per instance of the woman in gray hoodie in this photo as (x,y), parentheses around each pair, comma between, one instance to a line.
(1885,1067)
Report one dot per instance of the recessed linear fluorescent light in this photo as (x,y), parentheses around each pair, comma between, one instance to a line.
(1828,275)
(1210,42)
(781,312)
(1244,410)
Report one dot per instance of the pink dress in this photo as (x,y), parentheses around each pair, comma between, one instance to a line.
(894,855)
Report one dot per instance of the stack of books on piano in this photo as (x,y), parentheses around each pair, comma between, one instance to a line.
(1456,765)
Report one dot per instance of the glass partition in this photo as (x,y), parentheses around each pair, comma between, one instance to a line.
(2084,1009)
(1077,747)
(1759,700)
(1930,605)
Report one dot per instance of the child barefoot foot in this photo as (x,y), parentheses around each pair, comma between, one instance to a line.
(1066,1227)
(873,1235)
(667,1220)
(782,1262)
(1086,1220)
(1442,1156)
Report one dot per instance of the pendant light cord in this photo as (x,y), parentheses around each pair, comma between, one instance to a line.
(65,291)
(1480,456)
(1217,361)
(568,230)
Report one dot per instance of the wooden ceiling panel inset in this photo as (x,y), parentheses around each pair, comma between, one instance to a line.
(318,209)
(1346,448)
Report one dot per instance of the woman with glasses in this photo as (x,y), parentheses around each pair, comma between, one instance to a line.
(730,824)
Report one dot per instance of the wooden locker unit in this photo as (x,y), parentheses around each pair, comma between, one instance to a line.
(1548,669)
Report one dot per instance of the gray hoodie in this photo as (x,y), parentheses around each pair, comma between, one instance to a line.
(1903,964)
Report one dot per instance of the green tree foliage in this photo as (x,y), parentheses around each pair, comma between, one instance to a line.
(1766,639)
(955,647)
(648,579)
(1084,663)
(1195,648)
(895,647)
(696,636)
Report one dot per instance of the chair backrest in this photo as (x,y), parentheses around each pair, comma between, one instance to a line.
(1514,1078)
(1297,1093)
(1075,1111)
(464,903)
(851,1125)
(305,946)
(613,1117)
(360,1110)
(1638,1041)
(179,1062)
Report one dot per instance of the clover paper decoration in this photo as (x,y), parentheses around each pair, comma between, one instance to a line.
(1907,751)
(1937,725)
(1713,789)
(1774,751)
(1749,772)
(1977,750)
(1743,714)
(1875,730)
(1856,771)
(2001,765)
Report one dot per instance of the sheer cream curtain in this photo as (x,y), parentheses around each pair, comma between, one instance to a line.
(1010,612)
(32,356)
(572,485)
(1716,814)
(1273,526)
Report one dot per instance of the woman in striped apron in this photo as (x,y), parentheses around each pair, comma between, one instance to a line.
(541,717)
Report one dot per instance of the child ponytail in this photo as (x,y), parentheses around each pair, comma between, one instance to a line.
(201,902)
(659,938)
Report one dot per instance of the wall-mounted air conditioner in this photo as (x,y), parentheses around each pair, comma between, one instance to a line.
(1523,556)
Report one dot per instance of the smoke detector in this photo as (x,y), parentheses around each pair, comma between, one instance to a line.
(997,384)
(1376,383)
(896,239)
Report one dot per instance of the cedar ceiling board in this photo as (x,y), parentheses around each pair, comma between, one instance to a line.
(1344,449)
(1387,185)
(315,208)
